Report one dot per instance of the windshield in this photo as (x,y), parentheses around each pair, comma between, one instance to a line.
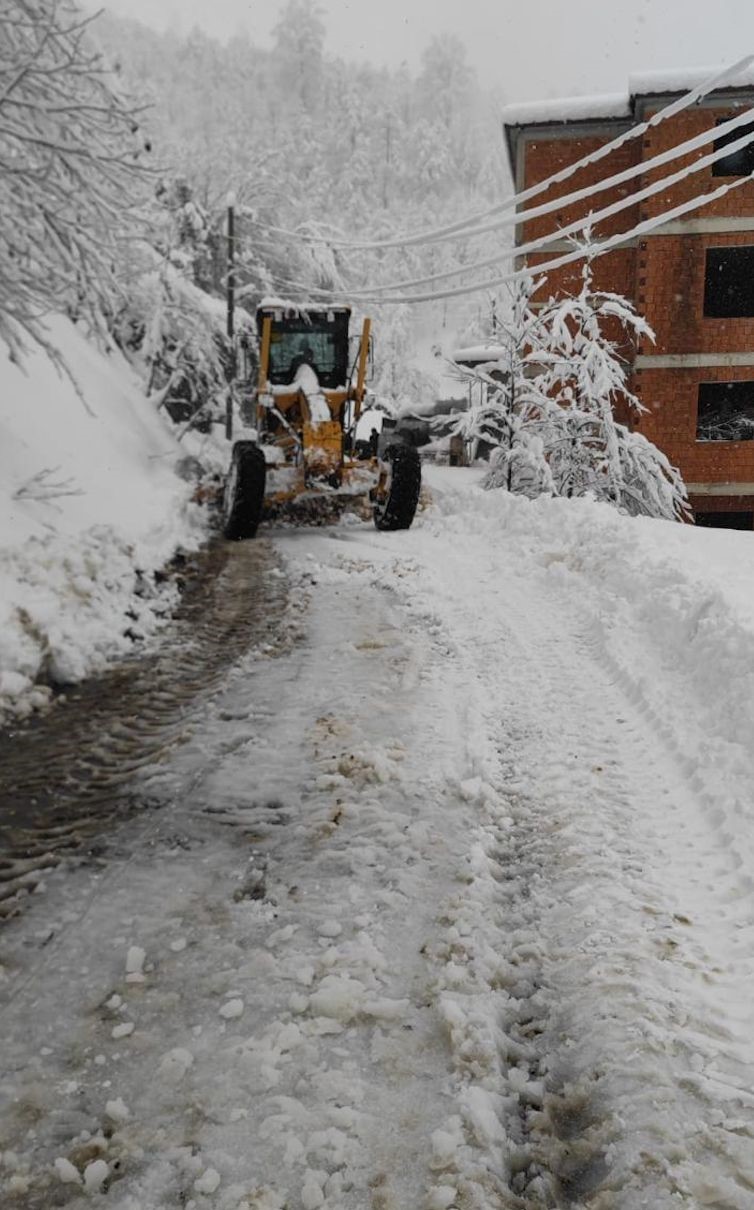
(322,344)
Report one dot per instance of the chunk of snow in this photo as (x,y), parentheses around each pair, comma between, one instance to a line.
(330,928)
(384,1009)
(445,1143)
(95,1175)
(66,1171)
(208,1182)
(124,1030)
(283,934)
(135,964)
(337,996)
(441,1197)
(312,1196)
(232,1009)
(117,1110)
(135,960)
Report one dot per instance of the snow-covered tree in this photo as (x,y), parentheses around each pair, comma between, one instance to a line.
(445,80)
(548,406)
(71,170)
(187,235)
(299,40)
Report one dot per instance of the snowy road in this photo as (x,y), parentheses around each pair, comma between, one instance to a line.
(438,911)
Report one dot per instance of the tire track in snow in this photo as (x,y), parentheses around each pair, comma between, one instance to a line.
(598,959)
(322,1092)
(67,774)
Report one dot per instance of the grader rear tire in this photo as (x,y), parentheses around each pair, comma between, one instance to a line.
(244,491)
(398,508)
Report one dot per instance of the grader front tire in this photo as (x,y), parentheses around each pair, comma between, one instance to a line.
(398,507)
(244,491)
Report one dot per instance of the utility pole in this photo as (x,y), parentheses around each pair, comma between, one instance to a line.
(230,298)
(388,157)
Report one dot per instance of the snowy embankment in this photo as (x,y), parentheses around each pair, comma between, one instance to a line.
(90,507)
(670,606)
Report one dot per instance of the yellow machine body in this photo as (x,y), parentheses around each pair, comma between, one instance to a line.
(308,429)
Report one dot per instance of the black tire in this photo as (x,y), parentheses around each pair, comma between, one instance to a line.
(244,491)
(398,508)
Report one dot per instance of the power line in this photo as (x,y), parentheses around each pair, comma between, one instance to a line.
(592,219)
(592,251)
(464,228)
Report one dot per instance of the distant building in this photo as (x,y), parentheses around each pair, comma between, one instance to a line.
(692,278)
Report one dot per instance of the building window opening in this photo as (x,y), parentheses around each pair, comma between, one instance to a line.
(725,411)
(725,520)
(729,282)
(739,163)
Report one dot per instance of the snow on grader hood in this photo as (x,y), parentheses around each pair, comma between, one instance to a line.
(296,424)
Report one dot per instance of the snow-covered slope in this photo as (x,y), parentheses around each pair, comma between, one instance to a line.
(670,606)
(88,495)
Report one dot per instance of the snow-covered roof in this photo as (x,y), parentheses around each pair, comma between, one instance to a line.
(680,79)
(617,104)
(299,308)
(568,109)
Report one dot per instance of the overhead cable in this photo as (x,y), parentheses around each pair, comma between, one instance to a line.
(465,228)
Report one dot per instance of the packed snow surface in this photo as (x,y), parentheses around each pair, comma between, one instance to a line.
(447,907)
(90,506)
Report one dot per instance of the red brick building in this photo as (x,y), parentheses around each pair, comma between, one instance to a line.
(691,278)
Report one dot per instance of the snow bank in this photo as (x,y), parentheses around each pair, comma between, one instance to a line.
(670,607)
(90,506)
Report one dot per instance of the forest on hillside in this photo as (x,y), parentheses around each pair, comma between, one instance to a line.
(309,143)
(125,145)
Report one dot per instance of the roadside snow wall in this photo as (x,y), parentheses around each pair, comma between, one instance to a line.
(89,498)
(668,607)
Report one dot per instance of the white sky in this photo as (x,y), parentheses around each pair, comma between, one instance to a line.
(526,50)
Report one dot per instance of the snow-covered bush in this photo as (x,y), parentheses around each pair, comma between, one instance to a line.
(174,332)
(548,407)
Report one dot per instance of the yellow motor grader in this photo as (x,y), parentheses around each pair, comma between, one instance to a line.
(296,427)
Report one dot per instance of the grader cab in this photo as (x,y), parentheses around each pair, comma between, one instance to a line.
(301,420)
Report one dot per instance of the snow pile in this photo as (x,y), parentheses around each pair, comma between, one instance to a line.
(670,606)
(90,506)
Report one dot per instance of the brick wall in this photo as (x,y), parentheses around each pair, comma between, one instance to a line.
(739,201)
(671,396)
(670,295)
(546,156)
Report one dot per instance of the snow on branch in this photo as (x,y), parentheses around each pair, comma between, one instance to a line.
(546,411)
(42,487)
(71,171)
